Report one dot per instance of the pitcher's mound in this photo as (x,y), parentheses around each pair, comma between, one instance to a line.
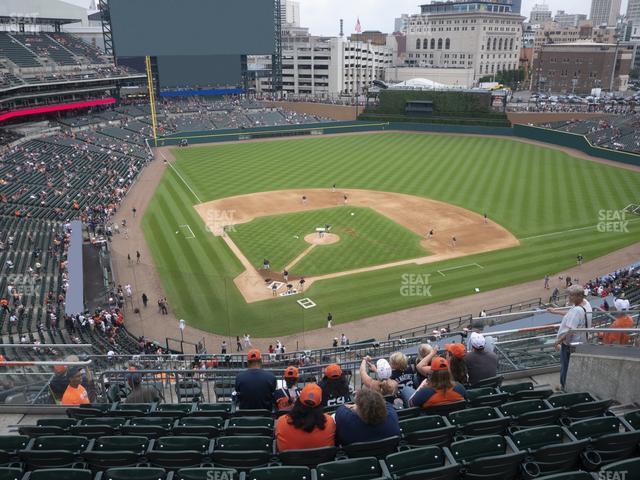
(326,239)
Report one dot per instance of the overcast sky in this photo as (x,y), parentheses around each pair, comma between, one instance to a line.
(323,16)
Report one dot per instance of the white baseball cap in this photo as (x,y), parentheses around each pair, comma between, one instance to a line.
(383,368)
(477,340)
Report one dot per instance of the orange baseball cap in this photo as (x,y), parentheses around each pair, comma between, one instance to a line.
(254,354)
(311,395)
(291,372)
(438,364)
(59,368)
(333,371)
(456,349)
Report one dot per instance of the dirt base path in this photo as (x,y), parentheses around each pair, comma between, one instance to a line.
(418,214)
(144,277)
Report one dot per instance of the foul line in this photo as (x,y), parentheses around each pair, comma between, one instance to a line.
(181,178)
(590,227)
(193,235)
(459,266)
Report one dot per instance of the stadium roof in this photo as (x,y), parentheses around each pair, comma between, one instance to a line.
(421,83)
(41,11)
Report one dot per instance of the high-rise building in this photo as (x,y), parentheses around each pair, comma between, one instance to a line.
(568,19)
(633,17)
(290,13)
(540,13)
(605,12)
(400,23)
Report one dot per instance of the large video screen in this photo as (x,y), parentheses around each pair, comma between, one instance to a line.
(200,71)
(192,27)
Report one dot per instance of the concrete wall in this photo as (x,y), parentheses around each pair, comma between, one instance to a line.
(606,371)
(525,118)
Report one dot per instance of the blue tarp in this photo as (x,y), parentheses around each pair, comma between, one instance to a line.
(74,302)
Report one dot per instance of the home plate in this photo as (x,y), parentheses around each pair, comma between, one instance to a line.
(278,285)
(306,303)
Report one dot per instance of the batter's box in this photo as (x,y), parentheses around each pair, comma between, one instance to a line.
(278,285)
(306,303)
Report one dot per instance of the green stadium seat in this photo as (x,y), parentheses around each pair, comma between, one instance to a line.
(206,473)
(115,451)
(608,436)
(141,407)
(492,382)
(63,423)
(531,413)
(432,463)
(427,430)
(222,410)
(368,468)
(479,421)
(151,427)
(261,426)
(575,475)
(525,391)
(83,412)
(280,473)
(486,397)
(10,445)
(40,431)
(251,413)
(242,452)
(406,413)
(445,408)
(9,473)
(178,408)
(309,457)
(633,418)
(179,452)
(54,451)
(579,405)
(494,457)
(59,474)
(199,426)
(630,468)
(98,427)
(377,448)
(135,474)
(551,448)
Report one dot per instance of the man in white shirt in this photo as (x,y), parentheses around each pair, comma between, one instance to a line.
(621,303)
(579,316)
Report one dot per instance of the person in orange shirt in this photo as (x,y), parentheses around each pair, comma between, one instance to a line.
(306,425)
(438,390)
(623,321)
(75,394)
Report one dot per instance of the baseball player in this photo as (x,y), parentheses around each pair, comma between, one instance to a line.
(430,234)
(453,241)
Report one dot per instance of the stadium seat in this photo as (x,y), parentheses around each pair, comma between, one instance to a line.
(492,382)
(445,408)
(575,475)
(280,473)
(609,437)
(8,473)
(486,397)
(98,427)
(63,423)
(550,448)
(56,451)
(578,405)
(368,468)
(377,448)
(115,451)
(179,452)
(261,426)
(432,463)
(83,412)
(205,473)
(427,430)
(525,391)
(633,418)
(179,409)
(222,410)
(405,413)
(251,413)
(493,457)
(531,413)
(10,445)
(630,468)
(135,474)
(199,426)
(479,421)
(141,407)
(309,457)
(41,431)
(151,427)
(242,452)
(59,474)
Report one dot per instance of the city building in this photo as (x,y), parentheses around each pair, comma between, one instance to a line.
(483,37)
(633,17)
(553,32)
(579,67)
(374,36)
(569,19)
(540,13)
(400,24)
(290,13)
(605,12)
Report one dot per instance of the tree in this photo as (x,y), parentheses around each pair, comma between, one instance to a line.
(635,73)
(508,78)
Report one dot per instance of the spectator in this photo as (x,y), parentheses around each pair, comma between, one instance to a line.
(621,303)
(383,384)
(425,354)
(335,388)
(480,362)
(622,321)
(439,389)
(59,383)
(370,419)
(254,386)
(455,353)
(141,393)
(306,425)
(286,396)
(401,372)
(75,393)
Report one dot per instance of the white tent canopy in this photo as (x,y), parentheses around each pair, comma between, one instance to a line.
(423,84)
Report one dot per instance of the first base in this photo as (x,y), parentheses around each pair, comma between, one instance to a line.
(306,303)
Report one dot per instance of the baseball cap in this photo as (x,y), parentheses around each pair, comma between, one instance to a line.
(439,364)
(333,371)
(311,395)
(59,369)
(291,372)
(383,368)
(254,354)
(477,340)
(455,349)
(73,370)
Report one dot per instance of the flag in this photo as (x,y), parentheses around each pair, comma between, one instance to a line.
(358,26)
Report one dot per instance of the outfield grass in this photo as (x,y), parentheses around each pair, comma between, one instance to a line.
(546,198)
(366,238)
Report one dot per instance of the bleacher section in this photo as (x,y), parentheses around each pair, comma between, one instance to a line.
(17,53)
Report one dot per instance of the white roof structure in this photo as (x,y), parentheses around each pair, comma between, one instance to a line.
(42,9)
(422,84)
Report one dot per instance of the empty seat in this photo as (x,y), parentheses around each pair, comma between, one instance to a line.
(575,475)
(179,452)
(222,410)
(309,457)
(427,430)
(41,431)
(8,473)
(525,391)
(480,421)
(135,474)
(579,405)
(56,451)
(242,452)
(491,382)
(10,445)
(405,413)
(633,418)
(487,457)
(83,412)
(60,474)
(609,437)
(280,473)
(148,426)
(205,473)
(261,426)
(377,448)
(368,468)
(141,407)
(199,426)
(98,427)
(251,413)
(445,408)
(118,451)
(486,397)
(426,462)
(531,413)
(628,469)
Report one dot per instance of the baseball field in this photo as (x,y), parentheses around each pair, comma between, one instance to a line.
(221,210)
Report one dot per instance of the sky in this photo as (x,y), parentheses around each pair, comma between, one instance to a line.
(323,16)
